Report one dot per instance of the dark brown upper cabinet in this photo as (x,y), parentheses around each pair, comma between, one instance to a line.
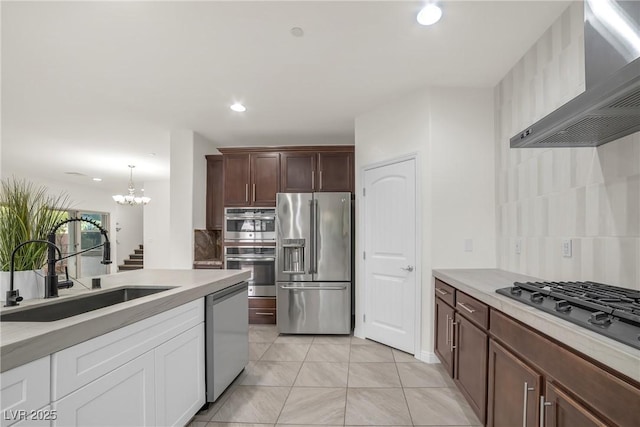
(251,179)
(298,172)
(237,177)
(309,171)
(265,178)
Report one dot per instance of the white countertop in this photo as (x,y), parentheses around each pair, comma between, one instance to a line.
(22,342)
(482,283)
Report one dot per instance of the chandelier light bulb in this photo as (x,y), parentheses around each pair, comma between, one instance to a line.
(429,15)
(131,199)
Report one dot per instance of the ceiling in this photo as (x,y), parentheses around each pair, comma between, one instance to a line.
(90,87)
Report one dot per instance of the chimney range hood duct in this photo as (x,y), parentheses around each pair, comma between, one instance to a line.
(610,107)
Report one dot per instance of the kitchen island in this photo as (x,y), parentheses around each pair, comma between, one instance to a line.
(144,357)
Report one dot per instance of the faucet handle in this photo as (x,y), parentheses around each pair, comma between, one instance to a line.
(13,298)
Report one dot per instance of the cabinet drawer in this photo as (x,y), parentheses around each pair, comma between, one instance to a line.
(262,316)
(77,366)
(472,309)
(445,292)
(262,302)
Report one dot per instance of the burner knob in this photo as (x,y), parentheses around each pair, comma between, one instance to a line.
(516,290)
(537,297)
(563,306)
(600,318)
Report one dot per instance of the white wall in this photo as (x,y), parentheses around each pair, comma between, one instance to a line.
(201,147)
(169,233)
(462,172)
(156,225)
(588,195)
(452,131)
(181,199)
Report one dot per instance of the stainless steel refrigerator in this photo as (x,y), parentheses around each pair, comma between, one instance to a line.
(313,259)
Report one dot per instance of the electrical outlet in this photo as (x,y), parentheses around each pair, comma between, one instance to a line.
(518,246)
(566,248)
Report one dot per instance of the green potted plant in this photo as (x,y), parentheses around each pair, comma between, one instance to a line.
(27,212)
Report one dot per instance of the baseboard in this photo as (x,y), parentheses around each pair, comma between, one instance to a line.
(429,357)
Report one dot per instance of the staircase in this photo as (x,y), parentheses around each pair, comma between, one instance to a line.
(135,261)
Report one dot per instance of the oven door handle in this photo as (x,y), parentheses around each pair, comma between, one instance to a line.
(251,259)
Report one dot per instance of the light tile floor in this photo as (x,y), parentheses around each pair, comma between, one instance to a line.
(301,380)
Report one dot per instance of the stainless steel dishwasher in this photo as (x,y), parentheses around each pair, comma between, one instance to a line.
(227,337)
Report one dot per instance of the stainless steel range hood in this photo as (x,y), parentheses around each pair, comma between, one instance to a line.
(610,107)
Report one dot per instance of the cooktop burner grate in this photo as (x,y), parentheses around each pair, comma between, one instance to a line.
(609,310)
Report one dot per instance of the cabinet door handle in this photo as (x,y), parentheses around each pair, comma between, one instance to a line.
(254,192)
(447,334)
(466,307)
(246,192)
(542,411)
(453,335)
(442,291)
(313,180)
(320,180)
(525,401)
(263,314)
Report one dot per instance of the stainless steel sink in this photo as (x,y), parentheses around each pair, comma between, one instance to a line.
(72,307)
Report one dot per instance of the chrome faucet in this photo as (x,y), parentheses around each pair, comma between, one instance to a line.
(13,295)
(51,283)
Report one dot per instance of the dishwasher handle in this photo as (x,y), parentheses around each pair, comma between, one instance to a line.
(229,292)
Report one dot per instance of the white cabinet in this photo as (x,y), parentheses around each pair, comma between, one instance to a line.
(24,389)
(80,364)
(150,373)
(123,397)
(180,387)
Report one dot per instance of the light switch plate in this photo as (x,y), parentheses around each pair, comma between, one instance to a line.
(468,245)
(566,248)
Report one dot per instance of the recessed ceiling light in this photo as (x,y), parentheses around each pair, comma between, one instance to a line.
(152,154)
(297,32)
(97,179)
(429,15)
(238,107)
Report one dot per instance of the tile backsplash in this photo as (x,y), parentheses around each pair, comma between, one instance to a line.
(207,245)
(590,196)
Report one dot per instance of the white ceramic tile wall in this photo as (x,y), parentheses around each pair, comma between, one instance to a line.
(588,195)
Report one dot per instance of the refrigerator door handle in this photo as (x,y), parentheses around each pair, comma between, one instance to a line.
(312,237)
(316,288)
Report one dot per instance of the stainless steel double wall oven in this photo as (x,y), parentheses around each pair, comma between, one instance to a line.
(249,242)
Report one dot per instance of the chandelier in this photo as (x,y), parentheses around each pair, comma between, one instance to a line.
(131,198)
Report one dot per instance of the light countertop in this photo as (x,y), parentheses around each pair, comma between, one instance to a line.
(482,283)
(22,342)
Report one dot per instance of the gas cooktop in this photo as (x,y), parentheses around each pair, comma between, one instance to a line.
(609,310)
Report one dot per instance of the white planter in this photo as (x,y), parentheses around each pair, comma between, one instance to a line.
(30,283)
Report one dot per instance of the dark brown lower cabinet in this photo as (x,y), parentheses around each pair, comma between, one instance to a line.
(262,310)
(560,410)
(513,375)
(470,373)
(514,390)
(443,334)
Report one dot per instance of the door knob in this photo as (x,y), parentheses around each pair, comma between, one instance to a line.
(408,268)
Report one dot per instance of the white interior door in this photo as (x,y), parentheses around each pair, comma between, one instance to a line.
(390,254)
